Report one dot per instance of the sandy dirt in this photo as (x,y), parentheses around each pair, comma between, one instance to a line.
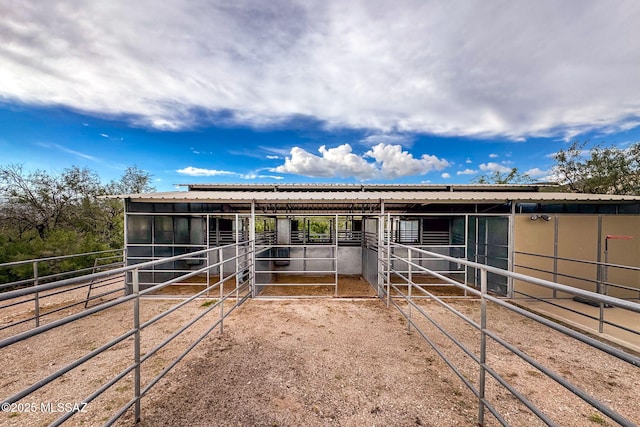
(313,362)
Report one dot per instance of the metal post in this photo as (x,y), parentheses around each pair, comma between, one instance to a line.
(252,238)
(221,269)
(36,296)
(380,248)
(335,255)
(603,288)
(237,259)
(510,249)
(410,284)
(483,345)
(388,275)
(208,254)
(466,252)
(136,341)
(555,253)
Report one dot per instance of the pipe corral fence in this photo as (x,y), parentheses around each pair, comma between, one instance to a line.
(227,277)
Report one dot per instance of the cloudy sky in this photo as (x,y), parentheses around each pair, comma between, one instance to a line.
(324,91)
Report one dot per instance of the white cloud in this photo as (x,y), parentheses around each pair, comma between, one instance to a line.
(192,171)
(69,151)
(271,157)
(390,162)
(259,176)
(404,140)
(468,161)
(379,64)
(467,172)
(537,173)
(494,167)
(333,162)
(493,156)
(395,163)
(104,135)
(446,175)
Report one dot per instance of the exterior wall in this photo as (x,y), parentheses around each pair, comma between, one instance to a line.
(623,252)
(578,237)
(349,259)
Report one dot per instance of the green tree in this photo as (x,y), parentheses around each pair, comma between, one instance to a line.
(511,177)
(599,170)
(41,201)
(46,214)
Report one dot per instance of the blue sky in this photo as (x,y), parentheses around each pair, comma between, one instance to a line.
(319,91)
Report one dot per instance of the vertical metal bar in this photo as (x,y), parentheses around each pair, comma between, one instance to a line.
(136,343)
(208,254)
(237,258)
(335,255)
(410,284)
(389,231)
(603,289)
(475,256)
(36,296)
(599,256)
(126,244)
(221,270)
(510,251)
(252,238)
(380,248)
(556,226)
(466,252)
(483,345)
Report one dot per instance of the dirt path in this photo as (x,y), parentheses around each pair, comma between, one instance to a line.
(314,362)
(326,362)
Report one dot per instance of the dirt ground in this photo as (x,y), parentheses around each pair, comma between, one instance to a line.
(313,362)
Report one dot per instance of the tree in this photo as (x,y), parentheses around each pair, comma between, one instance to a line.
(41,201)
(44,214)
(511,177)
(599,170)
(134,180)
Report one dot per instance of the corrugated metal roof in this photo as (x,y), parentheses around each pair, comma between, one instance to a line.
(366,187)
(374,196)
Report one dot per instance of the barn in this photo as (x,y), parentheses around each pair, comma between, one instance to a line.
(314,234)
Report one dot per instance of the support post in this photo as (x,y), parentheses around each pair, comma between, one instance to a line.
(380,249)
(555,253)
(511,246)
(335,255)
(237,259)
(483,345)
(136,344)
(410,284)
(36,296)
(252,238)
(221,284)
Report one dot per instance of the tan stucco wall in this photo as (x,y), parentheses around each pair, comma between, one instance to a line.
(577,239)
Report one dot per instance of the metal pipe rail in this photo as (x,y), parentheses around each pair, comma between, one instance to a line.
(485,334)
(331,259)
(35,269)
(601,283)
(31,286)
(243,284)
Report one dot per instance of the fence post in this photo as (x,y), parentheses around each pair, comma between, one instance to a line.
(483,344)
(221,269)
(238,275)
(136,345)
(36,296)
(410,275)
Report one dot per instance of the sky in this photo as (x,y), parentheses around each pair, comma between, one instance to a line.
(331,91)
